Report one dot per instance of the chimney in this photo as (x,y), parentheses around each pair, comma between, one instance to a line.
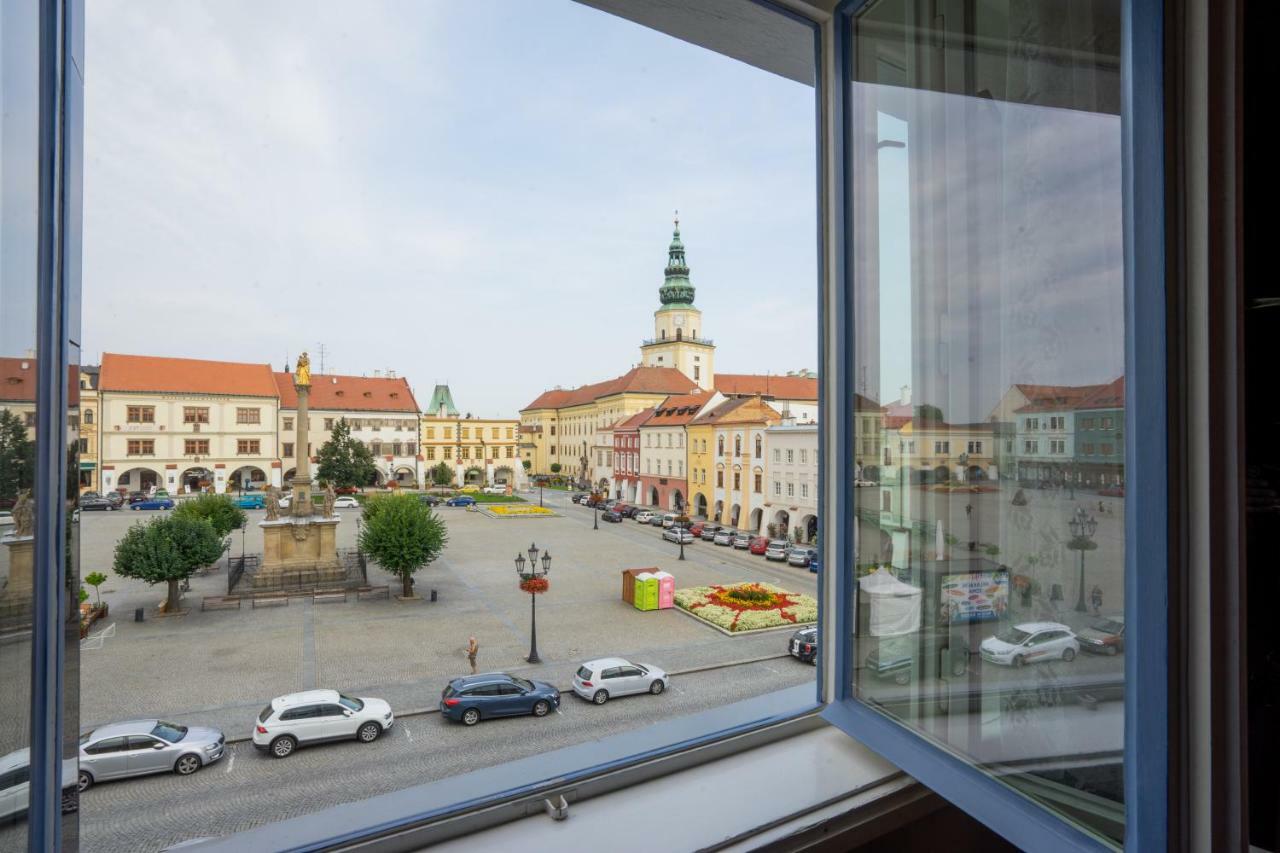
(906,395)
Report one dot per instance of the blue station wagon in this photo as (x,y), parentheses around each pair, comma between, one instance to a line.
(496,694)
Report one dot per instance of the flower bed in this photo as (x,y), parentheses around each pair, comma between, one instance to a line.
(747,606)
(515,511)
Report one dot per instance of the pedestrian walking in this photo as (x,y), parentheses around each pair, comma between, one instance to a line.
(1095,598)
(473,648)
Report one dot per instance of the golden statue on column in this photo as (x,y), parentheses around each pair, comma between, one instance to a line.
(302,376)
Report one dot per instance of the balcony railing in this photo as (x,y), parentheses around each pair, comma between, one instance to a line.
(686,339)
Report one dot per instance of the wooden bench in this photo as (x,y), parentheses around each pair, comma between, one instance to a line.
(220,602)
(273,599)
(328,596)
(366,592)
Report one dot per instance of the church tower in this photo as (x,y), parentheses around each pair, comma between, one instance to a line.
(677,326)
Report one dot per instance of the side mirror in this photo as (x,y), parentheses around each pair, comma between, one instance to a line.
(348,713)
(158,746)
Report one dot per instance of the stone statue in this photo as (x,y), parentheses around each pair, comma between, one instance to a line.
(23,515)
(302,376)
(329,497)
(273,504)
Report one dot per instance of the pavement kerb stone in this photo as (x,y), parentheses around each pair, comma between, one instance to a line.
(422,712)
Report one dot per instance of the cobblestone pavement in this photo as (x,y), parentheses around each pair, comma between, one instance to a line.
(247,789)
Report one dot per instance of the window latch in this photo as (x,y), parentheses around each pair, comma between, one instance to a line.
(557,808)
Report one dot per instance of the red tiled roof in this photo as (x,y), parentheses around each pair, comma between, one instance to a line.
(350,393)
(177,375)
(777,387)
(678,409)
(731,412)
(18,383)
(637,380)
(896,421)
(1054,398)
(1109,396)
(634,421)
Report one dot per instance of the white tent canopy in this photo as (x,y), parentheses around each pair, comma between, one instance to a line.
(895,605)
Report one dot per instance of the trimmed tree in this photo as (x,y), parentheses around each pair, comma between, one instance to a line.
(528,466)
(17,456)
(219,510)
(402,535)
(442,474)
(95,580)
(167,550)
(555,467)
(345,461)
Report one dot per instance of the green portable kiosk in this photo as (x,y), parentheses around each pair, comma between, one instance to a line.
(646,593)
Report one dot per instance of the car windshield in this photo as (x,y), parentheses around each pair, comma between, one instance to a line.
(1013,636)
(449,691)
(84,738)
(584,673)
(522,683)
(265,715)
(777,543)
(1108,626)
(172,732)
(351,702)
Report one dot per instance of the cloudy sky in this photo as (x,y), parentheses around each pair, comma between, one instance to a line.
(479,193)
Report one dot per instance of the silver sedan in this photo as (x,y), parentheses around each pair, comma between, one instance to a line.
(678,535)
(140,747)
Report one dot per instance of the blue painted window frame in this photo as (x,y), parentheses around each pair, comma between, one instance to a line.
(1146,713)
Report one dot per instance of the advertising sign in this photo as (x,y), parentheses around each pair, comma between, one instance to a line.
(975,597)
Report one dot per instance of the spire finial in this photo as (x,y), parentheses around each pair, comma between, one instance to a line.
(677,222)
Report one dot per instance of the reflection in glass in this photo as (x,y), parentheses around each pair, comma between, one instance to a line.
(988,291)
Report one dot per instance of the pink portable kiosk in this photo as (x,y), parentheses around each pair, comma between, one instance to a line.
(666,590)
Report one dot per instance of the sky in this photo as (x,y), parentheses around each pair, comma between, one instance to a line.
(476,193)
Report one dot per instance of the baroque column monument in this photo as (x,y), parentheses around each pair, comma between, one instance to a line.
(301,542)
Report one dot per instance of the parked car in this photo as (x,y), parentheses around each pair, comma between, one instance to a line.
(600,680)
(678,535)
(803,645)
(153,503)
(473,698)
(578,497)
(430,500)
(494,490)
(250,502)
(95,503)
(777,549)
(461,500)
(346,490)
(160,493)
(610,515)
(656,519)
(15,785)
(315,716)
(644,516)
(759,544)
(346,502)
(1029,642)
(117,499)
(742,540)
(470,489)
(137,497)
(709,532)
(140,747)
(799,556)
(815,562)
(1112,492)
(724,536)
(285,499)
(669,519)
(621,509)
(1104,636)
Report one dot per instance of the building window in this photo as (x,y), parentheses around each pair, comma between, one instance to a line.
(791,456)
(1087,423)
(466,452)
(431,432)
(804,490)
(199,415)
(141,447)
(553,450)
(88,416)
(1108,423)
(464,432)
(737,445)
(975,448)
(777,488)
(942,448)
(142,414)
(737,481)
(397,449)
(375,447)
(195,447)
(511,433)
(431,454)
(804,456)
(248,416)
(248,446)
(758,485)
(1057,446)
(719,479)
(697,373)
(448,432)
(1033,424)
(777,454)
(1108,449)
(759,447)
(1030,447)
(791,490)
(720,445)
(288,450)
(31,419)
(288,425)
(494,432)
(328,423)
(553,430)
(1087,448)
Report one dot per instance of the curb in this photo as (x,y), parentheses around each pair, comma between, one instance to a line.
(422,712)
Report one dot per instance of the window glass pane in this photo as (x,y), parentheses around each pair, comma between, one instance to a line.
(989,352)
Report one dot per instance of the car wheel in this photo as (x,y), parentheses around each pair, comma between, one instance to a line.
(657,687)
(186,765)
(1068,655)
(471,716)
(901,677)
(85,781)
(1113,650)
(541,707)
(1018,661)
(369,732)
(283,746)
(600,697)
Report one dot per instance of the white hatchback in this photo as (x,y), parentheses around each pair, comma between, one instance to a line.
(599,680)
(346,502)
(1030,642)
(315,716)
(644,516)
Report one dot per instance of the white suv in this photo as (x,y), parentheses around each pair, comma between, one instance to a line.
(644,516)
(319,715)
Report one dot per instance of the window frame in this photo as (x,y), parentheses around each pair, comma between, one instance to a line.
(1017,818)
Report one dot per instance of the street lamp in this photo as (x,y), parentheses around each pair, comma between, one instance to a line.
(533,574)
(595,514)
(1082,527)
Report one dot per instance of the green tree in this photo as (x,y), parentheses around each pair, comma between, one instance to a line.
(929,414)
(95,580)
(345,461)
(555,467)
(167,550)
(528,466)
(17,456)
(219,510)
(402,535)
(442,474)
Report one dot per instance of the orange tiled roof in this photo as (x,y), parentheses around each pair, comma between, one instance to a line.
(637,380)
(635,421)
(1054,398)
(18,383)
(350,393)
(738,410)
(177,375)
(678,409)
(777,387)
(1109,396)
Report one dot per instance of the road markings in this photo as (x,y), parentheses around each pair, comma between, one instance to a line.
(231,762)
(407,733)
(558,712)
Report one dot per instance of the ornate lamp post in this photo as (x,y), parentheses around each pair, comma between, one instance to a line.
(533,582)
(595,515)
(1082,527)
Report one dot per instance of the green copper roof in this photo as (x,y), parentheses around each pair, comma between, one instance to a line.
(442,397)
(676,291)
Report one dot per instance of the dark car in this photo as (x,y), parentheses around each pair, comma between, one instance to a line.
(1103,636)
(656,521)
(577,497)
(137,497)
(90,503)
(461,500)
(473,698)
(709,532)
(631,511)
(429,500)
(117,499)
(611,516)
(803,645)
(153,503)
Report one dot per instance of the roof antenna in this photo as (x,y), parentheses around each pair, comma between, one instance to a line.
(286,361)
